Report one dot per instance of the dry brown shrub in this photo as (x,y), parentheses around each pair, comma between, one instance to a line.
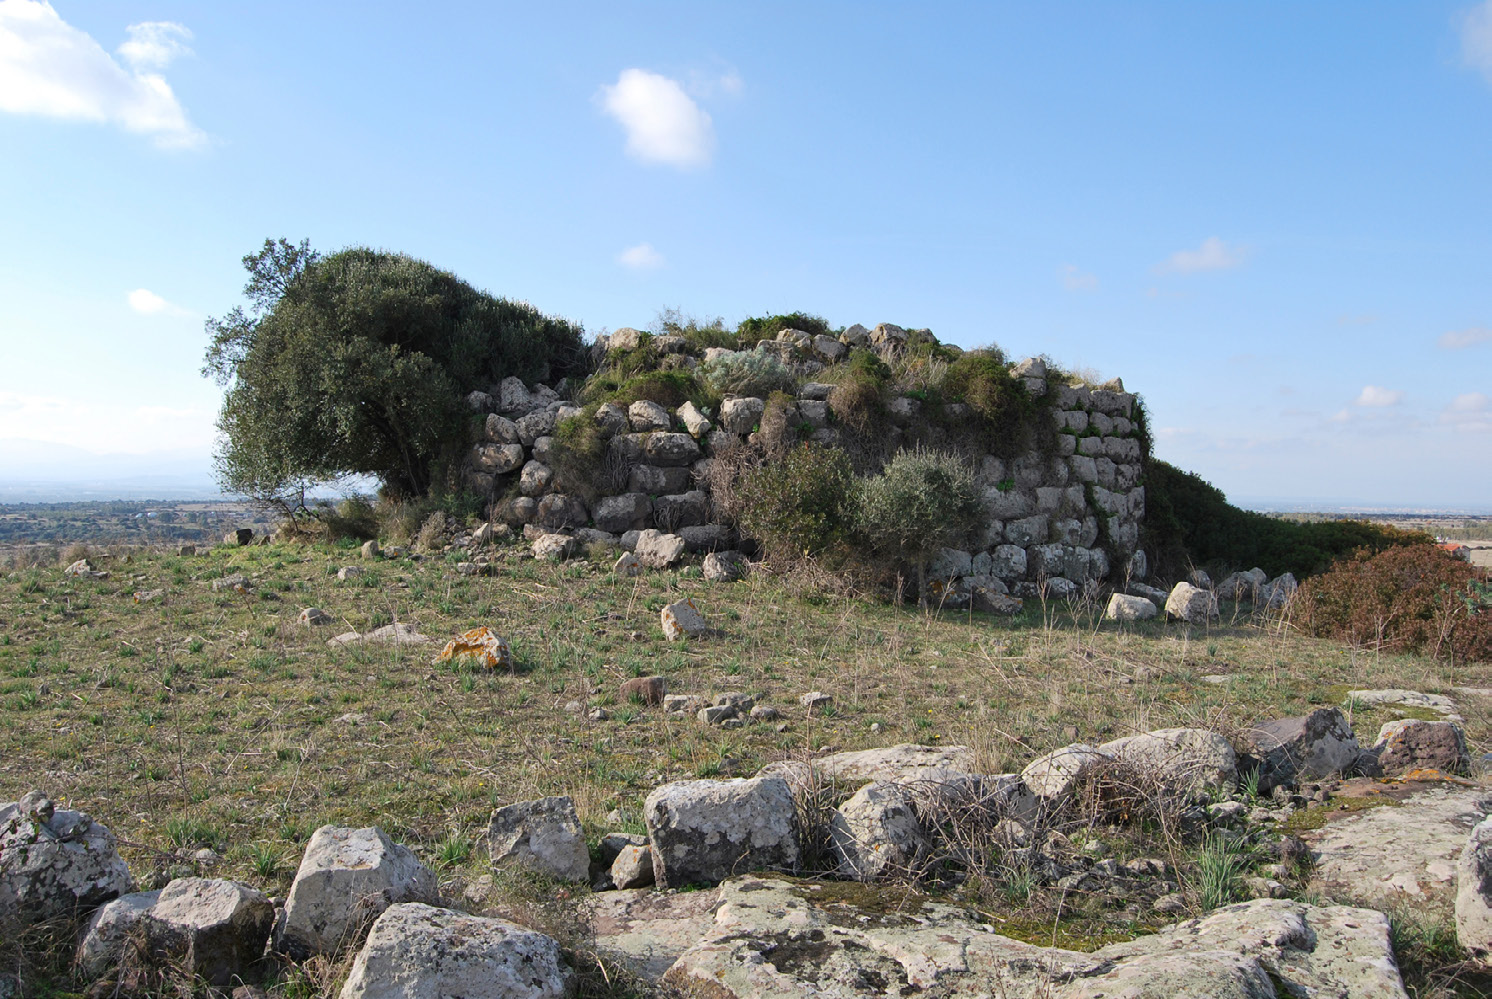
(1405,599)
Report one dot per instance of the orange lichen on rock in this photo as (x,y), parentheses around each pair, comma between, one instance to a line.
(482,644)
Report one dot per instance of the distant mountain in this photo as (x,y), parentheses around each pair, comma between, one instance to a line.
(34,471)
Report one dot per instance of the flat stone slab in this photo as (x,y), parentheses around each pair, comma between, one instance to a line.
(903,764)
(644,930)
(1404,851)
(1400,698)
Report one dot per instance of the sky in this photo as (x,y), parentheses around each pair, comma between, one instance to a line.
(1273,220)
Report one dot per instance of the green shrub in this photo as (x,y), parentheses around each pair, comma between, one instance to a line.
(1006,414)
(699,333)
(799,506)
(747,372)
(577,451)
(353,517)
(923,501)
(669,389)
(1407,598)
(1190,522)
(767,327)
(858,399)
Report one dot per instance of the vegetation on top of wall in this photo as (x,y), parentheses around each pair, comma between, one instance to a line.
(858,399)
(1007,414)
(1189,522)
(747,372)
(755,328)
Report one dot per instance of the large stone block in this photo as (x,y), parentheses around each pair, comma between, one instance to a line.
(671,450)
(544,835)
(417,951)
(876,833)
(55,862)
(626,512)
(652,480)
(704,831)
(346,878)
(1027,530)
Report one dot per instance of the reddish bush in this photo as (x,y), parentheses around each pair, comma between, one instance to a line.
(1412,598)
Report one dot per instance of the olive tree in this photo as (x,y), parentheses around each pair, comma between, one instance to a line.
(357,363)
(921,502)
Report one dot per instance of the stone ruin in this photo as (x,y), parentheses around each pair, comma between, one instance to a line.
(1061,519)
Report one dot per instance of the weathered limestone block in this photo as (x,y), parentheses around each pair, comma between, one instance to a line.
(1027,530)
(670,450)
(657,550)
(876,832)
(681,510)
(681,619)
(645,416)
(1315,745)
(652,480)
(1057,774)
(348,876)
(704,831)
(417,951)
(1191,604)
(535,478)
(544,835)
(1127,608)
(740,415)
(694,421)
(54,861)
(1185,760)
(501,430)
(626,512)
(1414,744)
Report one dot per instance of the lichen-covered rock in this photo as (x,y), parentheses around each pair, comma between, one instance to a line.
(544,835)
(558,512)
(54,861)
(1315,745)
(694,421)
(347,877)
(703,831)
(627,564)
(681,619)
(535,478)
(1191,604)
(633,866)
(1185,760)
(211,929)
(876,833)
(1413,744)
(554,547)
(773,938)
(417,951)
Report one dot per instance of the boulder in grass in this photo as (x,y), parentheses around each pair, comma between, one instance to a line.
(54,861)
(1057,774)
(417,951)
(876,833)
(657,550)
(1184,760)
(1191,604)
(1315,745)
(649,690)
(346,878)
(704,831)
(1123,607)
(209,928)
(544,835)
(682,619)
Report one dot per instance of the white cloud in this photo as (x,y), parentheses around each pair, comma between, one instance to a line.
(48,67)
(1377,396)
(154,44)
(663,123)
(1469,411)
(148,303)
(104,427)
(1469,337)
(1476,38)
(1075,279)
(1212,255)
(641,257)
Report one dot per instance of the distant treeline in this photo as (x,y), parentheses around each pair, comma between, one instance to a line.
(1189,522)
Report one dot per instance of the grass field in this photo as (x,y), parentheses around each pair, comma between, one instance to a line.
(213,719)
(205,718)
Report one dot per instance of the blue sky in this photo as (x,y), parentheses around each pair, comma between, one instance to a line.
(1271,219)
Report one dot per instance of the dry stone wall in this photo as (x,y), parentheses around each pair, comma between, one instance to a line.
(1059,520)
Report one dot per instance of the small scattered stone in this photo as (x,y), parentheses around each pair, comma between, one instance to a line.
(370,549)
(815,700)
(649,690)
(764,712)
(682,619)
(314,616)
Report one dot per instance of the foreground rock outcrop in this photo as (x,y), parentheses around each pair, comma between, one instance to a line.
(772,938)
(55,861)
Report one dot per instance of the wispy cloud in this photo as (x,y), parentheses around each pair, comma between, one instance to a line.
(1212,255)
(1075,278)
(641,257)
(148,303)
(1469,411)
(1376,397)
(1469,337)
(662,122)
(155,44)
(49,68)
(1476,38)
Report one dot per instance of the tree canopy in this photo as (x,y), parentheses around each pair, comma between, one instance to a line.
(357,363)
